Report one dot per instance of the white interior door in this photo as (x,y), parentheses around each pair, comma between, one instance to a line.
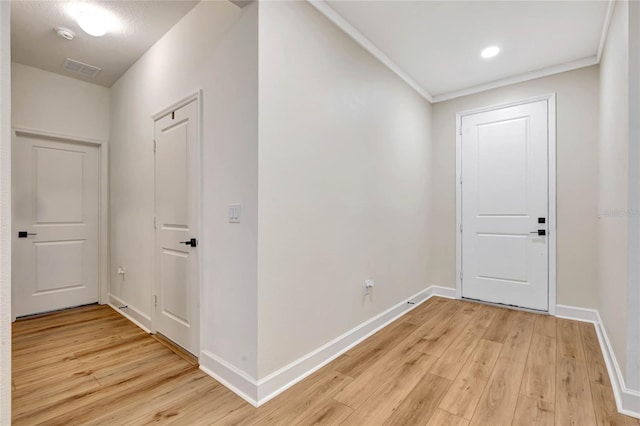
(505,199)
(177,176)
(55,224)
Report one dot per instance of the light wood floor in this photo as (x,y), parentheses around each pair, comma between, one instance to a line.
(445,363)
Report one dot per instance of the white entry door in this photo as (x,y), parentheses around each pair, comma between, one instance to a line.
(505,206)
(55,198)
(177,176)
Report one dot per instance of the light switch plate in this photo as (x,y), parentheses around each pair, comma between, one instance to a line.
(234,213)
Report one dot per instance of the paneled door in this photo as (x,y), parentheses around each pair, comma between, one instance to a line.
(55,198)
(177,177)
(505,206)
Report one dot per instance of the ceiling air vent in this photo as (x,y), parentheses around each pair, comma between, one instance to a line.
(80,68)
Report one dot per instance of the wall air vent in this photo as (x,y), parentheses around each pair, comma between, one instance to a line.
(80,68)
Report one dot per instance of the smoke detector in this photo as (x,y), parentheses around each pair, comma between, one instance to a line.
(65,33)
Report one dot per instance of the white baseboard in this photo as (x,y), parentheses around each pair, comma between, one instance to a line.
(627,400)
(282,379)
(240,383)
(577,314)
(448,292)
(258,392)
(132,314)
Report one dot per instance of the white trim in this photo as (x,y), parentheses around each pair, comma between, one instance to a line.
(605,29)
(133,314)
(203,248)
(556,69)
(552,194)
(627,400)
(547,96)
(632,370)
(282,379)
(458,205)
(258,392)
(440,291)
(239,382)
(576,314)
(44,134)
(551,111)
(6,314)
(196,97)
(322,7)
(105,280)
(367,45)
(103,213)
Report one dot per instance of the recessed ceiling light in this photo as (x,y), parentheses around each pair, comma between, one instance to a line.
(65,33)
(93,22)
(490,52)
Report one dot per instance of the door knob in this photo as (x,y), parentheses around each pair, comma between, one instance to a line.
(539,232)
(192,242)
(24,234)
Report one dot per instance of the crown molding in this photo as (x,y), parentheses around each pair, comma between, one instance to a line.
(322,7)
(605,29)
(556,69)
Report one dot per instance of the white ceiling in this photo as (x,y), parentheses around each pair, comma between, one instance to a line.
(437,44)
(142,23)
(434,45)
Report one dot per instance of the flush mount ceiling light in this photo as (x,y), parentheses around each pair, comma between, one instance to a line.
(93,20)
(65,33)
(93,23)
(490,52)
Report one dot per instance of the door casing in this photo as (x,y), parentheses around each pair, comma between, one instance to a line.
(197,97)
(103,212)
(551,108)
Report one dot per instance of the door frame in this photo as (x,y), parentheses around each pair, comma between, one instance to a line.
(103,209)
(551,122)
(197,97)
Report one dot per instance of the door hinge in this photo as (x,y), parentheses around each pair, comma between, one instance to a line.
(460,228)
(155,300)
(461,274)
(154,222)
(154,146)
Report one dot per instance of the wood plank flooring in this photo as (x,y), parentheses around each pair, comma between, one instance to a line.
(448,362)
